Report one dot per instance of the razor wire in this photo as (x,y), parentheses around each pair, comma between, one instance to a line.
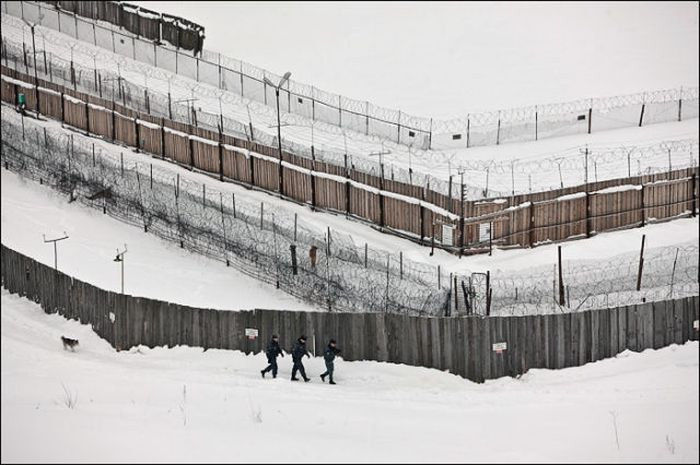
(362,116)
(667,273)
(202,220)
(563,169)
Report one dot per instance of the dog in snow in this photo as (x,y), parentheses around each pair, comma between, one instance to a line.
(69,343)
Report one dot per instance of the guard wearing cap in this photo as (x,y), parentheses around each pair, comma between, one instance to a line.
(272,351)
(298,352)
(329,355)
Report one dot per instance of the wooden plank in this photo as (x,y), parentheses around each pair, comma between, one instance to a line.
(595,336)
(603,333)
(668,309)
(678,307)
(485,348)
(569,361)
(614,331)
(436,343)
(382,351)
(659,315)
(691,315)
(645,313)
(632,333)
(541,342)
(577,326)
(469,348)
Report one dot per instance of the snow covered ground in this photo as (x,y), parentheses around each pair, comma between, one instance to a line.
(153,267)
(183,404)
(439,163)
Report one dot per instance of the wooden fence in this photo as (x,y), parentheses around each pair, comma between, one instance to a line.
(462,345)
(141,22)
(520,220)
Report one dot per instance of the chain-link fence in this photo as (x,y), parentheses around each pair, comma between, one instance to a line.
(483,178)
(475,129)
(258,241)
(666,273)
(262,241)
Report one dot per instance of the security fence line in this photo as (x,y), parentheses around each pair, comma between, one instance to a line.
(477,349)
(475,129)
(259,240)
(139,21)
(267,243)
(522,220)
(484,178)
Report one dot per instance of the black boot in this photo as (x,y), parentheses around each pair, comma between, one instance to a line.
(295,379)
(262,372)
(306,380)
(323,378)
(331,382)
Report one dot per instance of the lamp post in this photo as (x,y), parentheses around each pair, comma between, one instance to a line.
(55,252)
(36,79)
(120,258)
(284,79)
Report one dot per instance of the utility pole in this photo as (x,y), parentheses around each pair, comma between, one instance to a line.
(284,79)
(36,79)
(55,252)
(120,258)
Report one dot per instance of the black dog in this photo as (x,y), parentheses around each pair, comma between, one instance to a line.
(68,342)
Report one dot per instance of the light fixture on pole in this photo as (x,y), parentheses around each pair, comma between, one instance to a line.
(120,258)
(36,79)
(55,252)
(284,79)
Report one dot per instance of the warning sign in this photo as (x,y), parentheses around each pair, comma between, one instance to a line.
(448,232)
(695,324)
(500,347)
(251,333)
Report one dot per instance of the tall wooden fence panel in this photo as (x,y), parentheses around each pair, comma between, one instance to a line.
(475,348)
(551,216)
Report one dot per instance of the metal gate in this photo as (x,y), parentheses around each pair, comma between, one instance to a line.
(470,294)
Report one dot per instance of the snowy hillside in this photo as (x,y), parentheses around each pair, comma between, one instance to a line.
(445,59)
(184,405)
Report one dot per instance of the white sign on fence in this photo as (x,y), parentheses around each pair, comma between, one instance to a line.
(484,232)
(448,234)
(695,324)
(252,333)
(500,346)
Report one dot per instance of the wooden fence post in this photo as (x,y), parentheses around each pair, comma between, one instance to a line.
(190,146)
(694,203)
(221,161)
(63,108)
(488,293)
(381,197)
(162,138)
(137,130)
(641,264)
(114,123)
(531,229)
(313,179)
(87,119)
(251,166)
(588,212)
(644,210)
(562,302)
